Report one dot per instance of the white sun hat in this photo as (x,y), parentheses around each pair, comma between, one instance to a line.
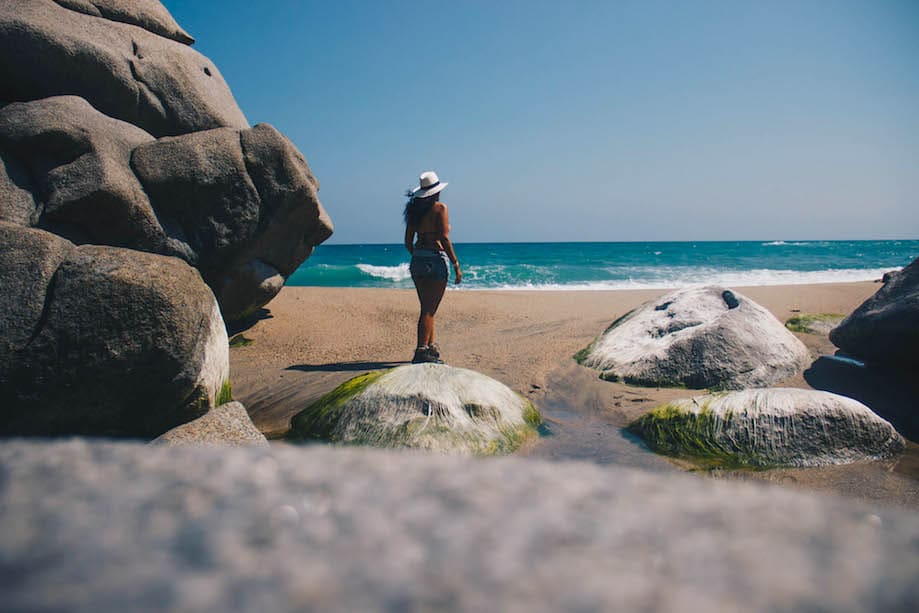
(429,185)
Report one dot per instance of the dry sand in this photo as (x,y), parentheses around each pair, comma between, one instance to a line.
(309,340)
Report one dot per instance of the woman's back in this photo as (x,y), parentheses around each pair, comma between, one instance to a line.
(430,229)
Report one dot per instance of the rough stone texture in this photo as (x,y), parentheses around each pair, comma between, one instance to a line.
(200,180)
(422,406)
(125,343)
(148,14)
(771,427)
(885,328)
(158,84)
(28,260)
(16,202)
(693,337)
(226,425)
(96,343)
(79,160)
(246,204)
(105,527)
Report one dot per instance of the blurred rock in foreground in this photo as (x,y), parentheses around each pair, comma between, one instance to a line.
(95,526)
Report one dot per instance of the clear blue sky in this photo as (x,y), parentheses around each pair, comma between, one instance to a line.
(557,121)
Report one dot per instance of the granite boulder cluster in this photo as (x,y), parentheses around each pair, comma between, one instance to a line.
(716,339)
(139,211)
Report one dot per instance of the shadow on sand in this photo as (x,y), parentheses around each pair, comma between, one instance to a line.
(892,395)
(244,324)
(345,366)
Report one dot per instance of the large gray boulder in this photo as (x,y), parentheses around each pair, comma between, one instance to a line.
(79,160)
(769,427)
(94,526)
(699,338)
(422,406)
(884,330)
(148,14)
(246,204)
(98,339)
(240,206)
(125,71)
(103,340)
(228,425)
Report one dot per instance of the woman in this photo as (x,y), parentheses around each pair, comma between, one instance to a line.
(427,218)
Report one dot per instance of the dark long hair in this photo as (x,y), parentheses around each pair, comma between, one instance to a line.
(417,208)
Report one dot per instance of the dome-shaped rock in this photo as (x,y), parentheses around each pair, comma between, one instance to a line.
(422,406)
(699,338)
(125,71)
(769,427)
(885,328)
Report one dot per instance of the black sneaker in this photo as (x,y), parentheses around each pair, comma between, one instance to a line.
(435,350)
(424,355)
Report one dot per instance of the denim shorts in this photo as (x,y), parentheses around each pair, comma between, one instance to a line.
(429,265)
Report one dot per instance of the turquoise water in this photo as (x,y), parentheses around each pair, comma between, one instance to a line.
(559,266)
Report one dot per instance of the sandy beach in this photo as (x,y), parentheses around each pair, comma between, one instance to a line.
(308,340)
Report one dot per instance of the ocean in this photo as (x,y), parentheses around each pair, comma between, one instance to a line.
(632,265)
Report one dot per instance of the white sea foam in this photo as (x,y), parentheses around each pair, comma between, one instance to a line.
(786,244)
(706,276)
(393,273)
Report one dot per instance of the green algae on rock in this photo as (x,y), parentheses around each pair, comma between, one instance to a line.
(814,323)
(768,427)
(422,406)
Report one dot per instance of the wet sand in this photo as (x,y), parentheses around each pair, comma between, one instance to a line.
(309,340)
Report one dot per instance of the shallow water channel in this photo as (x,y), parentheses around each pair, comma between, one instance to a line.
(586,419)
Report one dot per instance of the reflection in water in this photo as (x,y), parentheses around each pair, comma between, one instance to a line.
(581,426)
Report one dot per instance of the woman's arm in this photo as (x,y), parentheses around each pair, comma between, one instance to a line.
(409,237)
(448,247)
(444,219)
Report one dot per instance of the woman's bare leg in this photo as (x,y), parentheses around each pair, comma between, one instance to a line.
(430,293)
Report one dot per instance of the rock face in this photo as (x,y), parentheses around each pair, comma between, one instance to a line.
(103,340)
(79,160)
(770,427)
(148,14)
(884,330)
(104,527)
(114,133)
(698,338)
(125,71)
(226,425)
(422,406)
(244,203)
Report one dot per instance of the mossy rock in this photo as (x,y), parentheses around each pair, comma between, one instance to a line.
(814,323)
(768,427)
(422,406)
(240,341)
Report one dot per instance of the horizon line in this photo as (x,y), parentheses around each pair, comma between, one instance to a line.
(595,242)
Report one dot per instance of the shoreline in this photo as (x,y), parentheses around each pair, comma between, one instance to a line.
(310,339)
